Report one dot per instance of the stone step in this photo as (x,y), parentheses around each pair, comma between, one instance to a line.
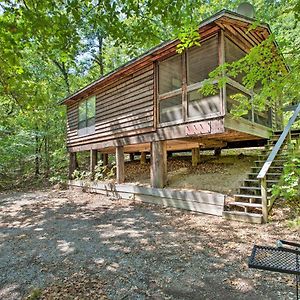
(243,217)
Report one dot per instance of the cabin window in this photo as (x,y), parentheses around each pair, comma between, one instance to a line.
(86,116)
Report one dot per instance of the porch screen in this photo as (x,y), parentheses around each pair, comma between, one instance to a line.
(234,53)
(200,62)
(170,89)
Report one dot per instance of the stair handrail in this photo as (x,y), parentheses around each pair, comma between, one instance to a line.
(262,175)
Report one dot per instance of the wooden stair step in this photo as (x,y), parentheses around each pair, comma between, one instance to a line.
(243,217)
(279,132)
(247,196)
(256,180)
(274,161)
(254,188)
(268,174)
(245,204)
(272,167)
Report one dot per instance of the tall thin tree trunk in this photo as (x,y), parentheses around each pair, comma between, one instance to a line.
(65,74)
(47,157)
(37,156)
(100,54)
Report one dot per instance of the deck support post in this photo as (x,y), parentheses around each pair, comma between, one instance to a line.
(264,199)
(120,164)
(195,156)
(93,162)
(105,159)
(158,164)
(131,155)
(72,163)
(143,158)
(217,151)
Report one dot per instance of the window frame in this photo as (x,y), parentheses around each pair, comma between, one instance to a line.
(87,129)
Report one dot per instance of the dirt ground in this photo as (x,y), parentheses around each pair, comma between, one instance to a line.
(73,245)
(227,172)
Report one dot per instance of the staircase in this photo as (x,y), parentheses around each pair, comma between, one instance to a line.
(253,200)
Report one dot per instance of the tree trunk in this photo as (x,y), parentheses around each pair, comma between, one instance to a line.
(37,156)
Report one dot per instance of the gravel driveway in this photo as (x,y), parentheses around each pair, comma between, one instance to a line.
(73,245)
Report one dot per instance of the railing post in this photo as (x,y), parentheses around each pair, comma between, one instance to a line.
(264,199)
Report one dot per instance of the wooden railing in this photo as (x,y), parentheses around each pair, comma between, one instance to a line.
(262,176)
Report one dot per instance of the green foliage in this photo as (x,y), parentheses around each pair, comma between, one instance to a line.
(35,294)
(104,172)
(188,38)
(81,175)
(289,187)
(48,49)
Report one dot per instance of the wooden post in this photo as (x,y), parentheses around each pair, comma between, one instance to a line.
(120,164)
(264,199)
(195,156)
(105,159)
(100,156)
(217,151)
(73,165)
(93,162)
(158,164)
(131,156)
(143,158)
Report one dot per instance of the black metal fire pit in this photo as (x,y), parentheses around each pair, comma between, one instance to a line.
(285,258)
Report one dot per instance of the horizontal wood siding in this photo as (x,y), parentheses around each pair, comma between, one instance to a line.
(124,106)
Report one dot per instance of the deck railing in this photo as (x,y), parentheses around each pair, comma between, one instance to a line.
(262,176)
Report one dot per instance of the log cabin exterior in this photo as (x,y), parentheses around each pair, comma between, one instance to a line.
(152,103)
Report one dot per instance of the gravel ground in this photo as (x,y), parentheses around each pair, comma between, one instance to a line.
(73,245)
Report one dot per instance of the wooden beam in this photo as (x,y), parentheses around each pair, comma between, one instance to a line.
(158,164)
(195,156)
(93,162)
(72,163)
(243,125)
(143,158)
(120,164)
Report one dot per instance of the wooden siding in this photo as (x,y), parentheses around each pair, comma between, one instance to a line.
(127,105)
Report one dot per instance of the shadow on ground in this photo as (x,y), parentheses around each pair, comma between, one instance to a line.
(134,251)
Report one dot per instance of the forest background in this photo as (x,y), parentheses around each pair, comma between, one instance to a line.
(51,48)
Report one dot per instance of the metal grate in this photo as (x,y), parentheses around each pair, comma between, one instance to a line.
(275,259)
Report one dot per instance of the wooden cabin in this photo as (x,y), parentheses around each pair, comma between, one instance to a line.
(152,103)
